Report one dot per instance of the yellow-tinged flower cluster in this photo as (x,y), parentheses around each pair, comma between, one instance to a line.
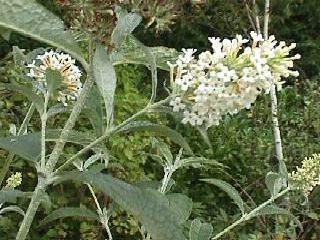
(229,78)
(306,177)
(65,65)
(14,180)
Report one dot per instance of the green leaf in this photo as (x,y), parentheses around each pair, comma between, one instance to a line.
(18,55)
(131,52)
(157,129)
(150,207)
(274,210)
(126,23)
(28,146)
(25,146)
(93,110)
(200,231)
(33,20)
(199,162)
(70,212)
(230,190)
(164,150)
(11,195)
(12,209)
(274,183)
(105,77)
(181,204)
(5,33)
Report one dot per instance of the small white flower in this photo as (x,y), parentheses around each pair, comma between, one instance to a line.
(229,78)
(65,65)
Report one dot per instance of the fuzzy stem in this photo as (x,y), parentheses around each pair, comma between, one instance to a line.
(32,209)
(10,157)
(57,150)
(273,94)
(251,214)
(109,133)
(44,118)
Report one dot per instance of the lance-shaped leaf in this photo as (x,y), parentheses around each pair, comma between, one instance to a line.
(126,23)
(70,212)
(199,230)
(105,77)
(11,195)
(132,52)
(12,209)
(150,207)
(32,19)
(157,129)
(28,146)
(230,190)
(93,110)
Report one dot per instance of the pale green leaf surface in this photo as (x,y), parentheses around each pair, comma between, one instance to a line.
(29,18)
(105,77)
(200,231)
(181,204)
(70,212)
(229,189)
(150,207)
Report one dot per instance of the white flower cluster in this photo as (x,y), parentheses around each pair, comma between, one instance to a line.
(229,78)
(14,180)
(65,65)
(306,177)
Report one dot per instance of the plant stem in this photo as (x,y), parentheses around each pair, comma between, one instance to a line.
(57,150)
(251,214)
(44,118)
(273,94)
(22,129)
(32,209)
(108,133)
(37,194)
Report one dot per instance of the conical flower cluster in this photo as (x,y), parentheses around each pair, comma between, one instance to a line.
(228,78)
(306,177)
(65,65)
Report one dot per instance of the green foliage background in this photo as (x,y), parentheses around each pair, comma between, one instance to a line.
(243,144)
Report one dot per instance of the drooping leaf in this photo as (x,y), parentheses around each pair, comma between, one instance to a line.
(230,190)
(25,146)
(274,183)
(105,77)
(70,212)
(126,23)
(131,52)
(11,209)
(157,129)
(56,109)
(181,204)
(200,231)
(32,19)
(150,207)
(28,146)
(11,195)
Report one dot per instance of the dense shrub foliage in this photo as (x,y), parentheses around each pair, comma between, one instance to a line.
(240,150)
